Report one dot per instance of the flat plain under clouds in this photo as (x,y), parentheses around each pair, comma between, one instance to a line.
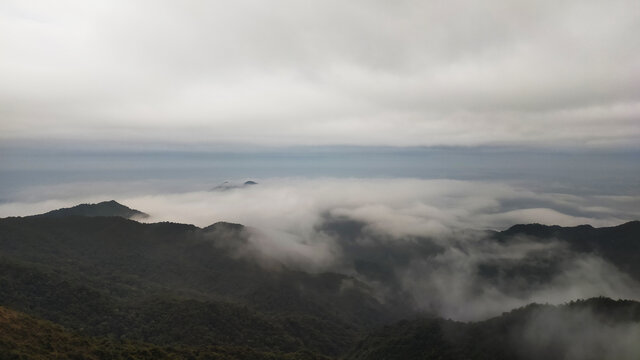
(401,73)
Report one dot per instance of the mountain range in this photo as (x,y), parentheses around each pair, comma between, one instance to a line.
(101,285)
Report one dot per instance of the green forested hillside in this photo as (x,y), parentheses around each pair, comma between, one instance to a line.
(597,328)
(24,337)
(112,287)
(618,244)
(174,284)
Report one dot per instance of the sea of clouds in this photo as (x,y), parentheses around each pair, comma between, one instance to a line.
(428,236)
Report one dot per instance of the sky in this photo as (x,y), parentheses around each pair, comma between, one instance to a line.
(541,74)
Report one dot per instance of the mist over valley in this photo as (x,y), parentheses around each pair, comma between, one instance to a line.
(321,265)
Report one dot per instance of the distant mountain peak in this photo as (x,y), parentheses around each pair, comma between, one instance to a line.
(224,226)
(105,208)
(541,230)
(229,185)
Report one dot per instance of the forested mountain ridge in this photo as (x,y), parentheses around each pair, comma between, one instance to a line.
(513,335)
(618,244)
(105,208)
(531,332)
(164,285)
(109,276)
(23,337)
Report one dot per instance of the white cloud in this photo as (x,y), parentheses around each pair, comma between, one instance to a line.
(401,206)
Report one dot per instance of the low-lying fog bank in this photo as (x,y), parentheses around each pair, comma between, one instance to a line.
(421,238)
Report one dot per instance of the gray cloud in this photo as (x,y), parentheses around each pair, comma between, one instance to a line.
(404,73)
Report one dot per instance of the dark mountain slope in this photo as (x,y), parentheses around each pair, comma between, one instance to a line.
(597,328)
(517,262)
(161,317)
(105,208)
(27,338)
(179,285)
(113,277)
(618,244)
(183,258)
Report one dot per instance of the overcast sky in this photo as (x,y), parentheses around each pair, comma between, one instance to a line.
(400,73)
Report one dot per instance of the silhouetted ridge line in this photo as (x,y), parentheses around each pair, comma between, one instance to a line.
(534,331)
(105,208)
(224,226)
(546,231)
(230,186)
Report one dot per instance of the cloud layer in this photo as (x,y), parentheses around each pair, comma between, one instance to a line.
(401,206)
(421,239)
(543,73)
